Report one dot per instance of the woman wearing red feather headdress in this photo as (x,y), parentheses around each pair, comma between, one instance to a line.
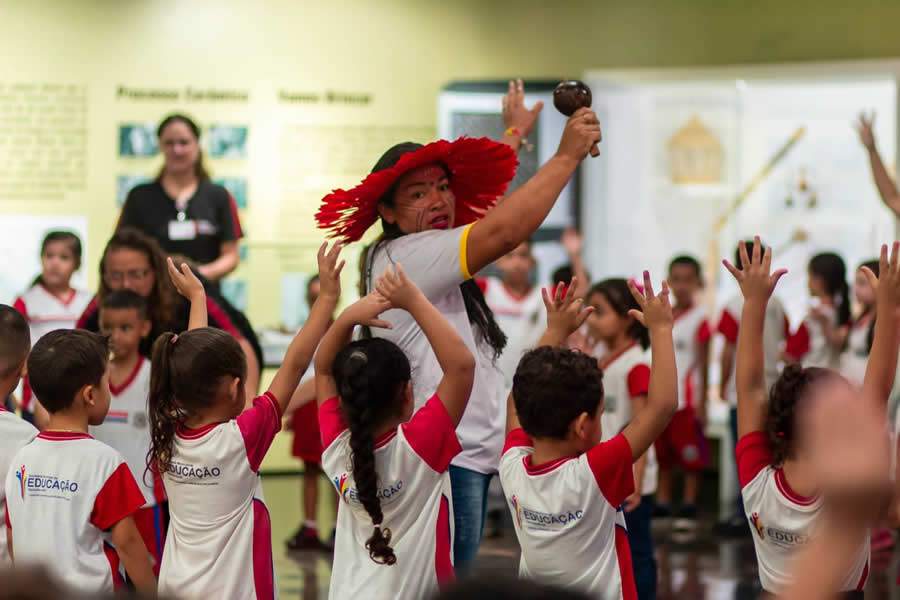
(436,206)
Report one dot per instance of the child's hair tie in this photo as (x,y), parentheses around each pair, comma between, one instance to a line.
(174,338)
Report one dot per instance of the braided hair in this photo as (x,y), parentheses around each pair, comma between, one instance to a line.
(791,387)
(371,377)
(480,314)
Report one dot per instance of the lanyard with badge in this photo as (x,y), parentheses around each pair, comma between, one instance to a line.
(182,228)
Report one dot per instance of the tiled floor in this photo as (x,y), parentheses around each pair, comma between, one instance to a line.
(696,567)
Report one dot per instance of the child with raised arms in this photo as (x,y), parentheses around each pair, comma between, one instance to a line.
(389,466)
(68,494)
(626,381)
(209,446)
(15,342)
(564,486)
(777,474)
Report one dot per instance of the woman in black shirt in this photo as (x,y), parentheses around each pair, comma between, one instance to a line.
(182,209)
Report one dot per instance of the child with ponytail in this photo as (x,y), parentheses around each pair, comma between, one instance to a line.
(828,322)
(388,465)
(776,465)
(859,340)
(209,446)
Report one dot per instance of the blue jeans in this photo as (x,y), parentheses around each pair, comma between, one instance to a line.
(470,492)
(641,541)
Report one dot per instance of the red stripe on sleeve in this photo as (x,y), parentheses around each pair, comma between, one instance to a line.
(120,497)
(728,326)
(517,438)
(639,381)
(611,464)
(258,425)
(432,435)
(331,422)
(235,218)
(753,454)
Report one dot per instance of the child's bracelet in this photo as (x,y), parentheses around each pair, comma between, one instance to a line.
(512,131)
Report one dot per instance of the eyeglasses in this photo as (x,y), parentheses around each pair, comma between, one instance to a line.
(133,276)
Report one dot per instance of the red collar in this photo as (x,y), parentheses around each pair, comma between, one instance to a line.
(788,492)
(63,436)
(544,468)
(115,390)
(66,301)
(189,433)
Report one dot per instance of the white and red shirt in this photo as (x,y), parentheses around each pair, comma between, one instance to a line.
(820,353)
(520,318)
(855,357)
(15,433)
(411,462)
(690,333)
(626,375)
(436,261)
(776,332)
(568,516)
(63,491)
(46,312)
(127,429)
(219,543)
(782,520)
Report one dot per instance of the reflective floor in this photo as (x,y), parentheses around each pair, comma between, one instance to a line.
(691,566)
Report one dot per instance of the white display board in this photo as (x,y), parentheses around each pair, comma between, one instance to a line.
(20,249)
(637,217)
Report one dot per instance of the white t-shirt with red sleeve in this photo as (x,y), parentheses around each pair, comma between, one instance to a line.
(15,433)
(436,262)
(782,521)
(568,516)
(219,543)
(689,333)
(520,317)
(46,312)
(63,492)
(626,375)
(127,429)
(776,331)
(414,488)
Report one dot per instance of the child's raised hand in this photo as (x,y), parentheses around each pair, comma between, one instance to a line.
(755,277)
(887,283)
(565,313)
(330,269)
(397,288)
(367,309)
(185,281)
(656,311)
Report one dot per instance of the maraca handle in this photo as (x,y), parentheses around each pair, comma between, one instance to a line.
(595,151)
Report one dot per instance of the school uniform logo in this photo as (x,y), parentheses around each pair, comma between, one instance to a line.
(516,509)
(386,493)
(21,476)
(140,420)
(758,526)
(536,520)
(777,537)
(116,416)
(45,486)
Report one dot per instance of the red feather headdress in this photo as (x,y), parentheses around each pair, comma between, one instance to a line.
(480,170)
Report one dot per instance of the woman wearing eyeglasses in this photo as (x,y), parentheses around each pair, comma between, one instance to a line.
(134,261)
(182,209)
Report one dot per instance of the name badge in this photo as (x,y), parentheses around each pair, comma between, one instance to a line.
(182,230)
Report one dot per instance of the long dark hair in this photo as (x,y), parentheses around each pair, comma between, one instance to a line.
(68,237)
(619,297)
(788,390)
(873,266)
(186,376)
(199,168)
(371,377)
(480,314)
(163,297)
(831,269)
